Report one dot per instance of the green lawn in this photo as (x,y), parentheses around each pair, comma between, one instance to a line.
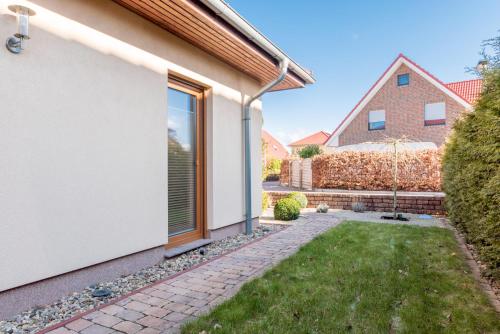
(361,278)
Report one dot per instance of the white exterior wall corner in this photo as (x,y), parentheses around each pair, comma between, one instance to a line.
(83,153)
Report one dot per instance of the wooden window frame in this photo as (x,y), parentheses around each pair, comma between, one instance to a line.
(201,158)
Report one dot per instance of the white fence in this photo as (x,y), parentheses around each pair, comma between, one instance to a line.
(301,174)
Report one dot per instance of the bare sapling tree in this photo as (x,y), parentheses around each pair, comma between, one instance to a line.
(395,142)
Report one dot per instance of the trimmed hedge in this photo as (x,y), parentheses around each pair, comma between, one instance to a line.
(299,197)
(471,170)
(286,209)
(309,151)
(265,201)
(285,171)
(417,170)
(271,171)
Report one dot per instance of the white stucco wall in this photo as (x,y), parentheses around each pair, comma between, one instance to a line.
(83,154)
(228,163)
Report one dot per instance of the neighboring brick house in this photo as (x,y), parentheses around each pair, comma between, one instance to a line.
(273,148)
(319,138)
(406,101)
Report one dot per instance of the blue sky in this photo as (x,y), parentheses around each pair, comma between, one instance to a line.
(348,45)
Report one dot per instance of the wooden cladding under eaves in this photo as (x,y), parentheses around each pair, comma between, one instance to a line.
(196,24)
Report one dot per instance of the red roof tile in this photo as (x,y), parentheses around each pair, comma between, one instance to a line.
(468,89)
(274,149)
(317,138)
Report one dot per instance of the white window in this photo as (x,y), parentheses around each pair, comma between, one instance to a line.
(435,113)
(376,120)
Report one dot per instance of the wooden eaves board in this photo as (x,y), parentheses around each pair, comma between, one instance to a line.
(191,21)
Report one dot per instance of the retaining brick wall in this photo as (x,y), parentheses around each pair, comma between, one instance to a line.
(424,204)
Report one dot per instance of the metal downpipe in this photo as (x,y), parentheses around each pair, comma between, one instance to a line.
(248,155)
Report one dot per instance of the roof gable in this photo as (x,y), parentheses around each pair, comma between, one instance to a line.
(274,149)
(317,138)
(375,88)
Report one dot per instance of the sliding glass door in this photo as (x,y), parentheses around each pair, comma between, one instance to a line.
(185,163)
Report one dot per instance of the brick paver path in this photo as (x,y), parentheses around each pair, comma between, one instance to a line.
(163,307)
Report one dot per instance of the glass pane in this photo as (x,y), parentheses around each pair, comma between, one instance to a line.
(376,125)
(181,162)
(403,79)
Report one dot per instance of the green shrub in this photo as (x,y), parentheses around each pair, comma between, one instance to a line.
(272,177)
(274,166)
(471,174)
(299,197)
(309,151)
(265,201)
(271,170)
(286,209)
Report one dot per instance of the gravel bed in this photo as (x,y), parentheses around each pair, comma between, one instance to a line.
(37,318)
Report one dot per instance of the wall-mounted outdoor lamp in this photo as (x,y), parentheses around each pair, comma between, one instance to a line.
(15,43)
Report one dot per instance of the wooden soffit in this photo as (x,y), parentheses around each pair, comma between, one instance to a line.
(195,23)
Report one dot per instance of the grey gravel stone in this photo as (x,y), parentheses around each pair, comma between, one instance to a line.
(37,318)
